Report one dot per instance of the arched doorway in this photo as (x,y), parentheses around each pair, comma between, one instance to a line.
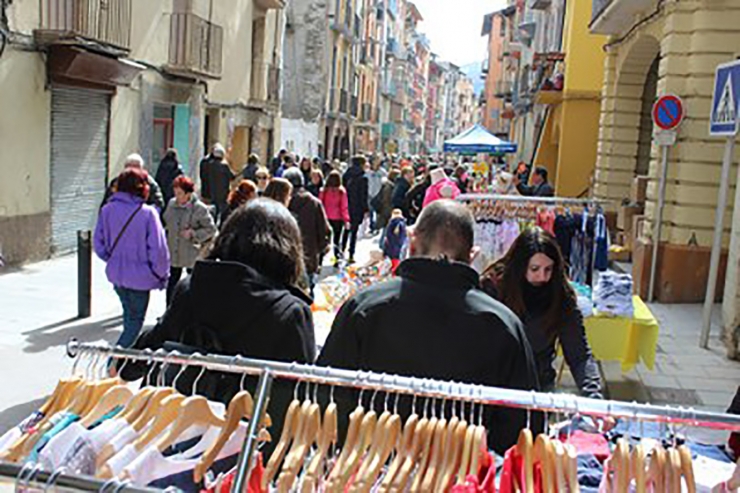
(636,90)
(644,144)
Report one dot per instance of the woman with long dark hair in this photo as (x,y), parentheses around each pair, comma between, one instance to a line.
(532,282)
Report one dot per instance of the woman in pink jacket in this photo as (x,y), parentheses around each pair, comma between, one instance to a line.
(334,198)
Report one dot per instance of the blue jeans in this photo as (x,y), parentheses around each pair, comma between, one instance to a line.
(134,303)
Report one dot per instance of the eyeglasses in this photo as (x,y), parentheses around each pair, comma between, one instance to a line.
(261,178)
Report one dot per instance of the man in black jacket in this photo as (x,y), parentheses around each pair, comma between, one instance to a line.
(155,193)
(401,188)
(540,186)
(433,321)
(356,184)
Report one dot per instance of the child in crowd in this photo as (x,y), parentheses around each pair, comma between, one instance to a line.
(394,239)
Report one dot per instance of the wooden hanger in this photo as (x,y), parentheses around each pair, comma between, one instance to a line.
(621,465)
(116,396)
(376,446)
(240,407)
(560,464)
(367,431)
(437,455)
(387,435)
(687,468)
(194,411)
(637,468)
(353,434)
(455,441)
(525,447)
(401,480)
(479,449)
(302,445)
(656,469)
(327,438)
(571,468)
(467,447)
(673,469)
(543,454)
(403,449)
(289,428)
(425,454)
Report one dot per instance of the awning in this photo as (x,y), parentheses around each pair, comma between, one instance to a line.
(477,139)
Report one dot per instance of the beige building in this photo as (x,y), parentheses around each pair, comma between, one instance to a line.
(82,88)
(658,48)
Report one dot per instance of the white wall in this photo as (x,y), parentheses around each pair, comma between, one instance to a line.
(300,137)
(24,134)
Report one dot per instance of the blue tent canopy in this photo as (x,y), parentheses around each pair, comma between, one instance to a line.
(477,139)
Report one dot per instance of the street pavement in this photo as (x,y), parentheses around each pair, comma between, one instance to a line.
(39,316)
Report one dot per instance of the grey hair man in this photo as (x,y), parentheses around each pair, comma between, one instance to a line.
(134,160)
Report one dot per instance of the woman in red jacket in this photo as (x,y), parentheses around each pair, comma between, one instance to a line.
(334,198)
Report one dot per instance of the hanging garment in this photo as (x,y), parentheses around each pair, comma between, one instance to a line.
(224,482)
(82,455)
(484,482)
(546,220)
(28,425)
(60,422)
(512,476)
(565,227)
(601,261)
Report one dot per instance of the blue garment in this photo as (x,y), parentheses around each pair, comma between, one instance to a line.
(601,261)
(713,452)
(184,481)
(394,238)
(59,423)
(590,472)
(134,303)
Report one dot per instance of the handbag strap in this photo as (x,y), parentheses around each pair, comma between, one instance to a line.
(125,226)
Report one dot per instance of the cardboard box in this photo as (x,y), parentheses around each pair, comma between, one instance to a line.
(638,191)
(626,213)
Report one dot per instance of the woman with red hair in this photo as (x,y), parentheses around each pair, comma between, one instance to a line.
(130,239)
(190,228)
(243,193)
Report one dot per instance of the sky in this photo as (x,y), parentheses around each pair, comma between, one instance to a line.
(454,26)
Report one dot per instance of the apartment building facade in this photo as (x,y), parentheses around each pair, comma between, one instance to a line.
(85,87)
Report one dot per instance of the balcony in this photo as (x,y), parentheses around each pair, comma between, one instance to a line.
(343,102)
(613,17)
(503,89)
(196,47)
(270,4)
(107,22)
(539,4)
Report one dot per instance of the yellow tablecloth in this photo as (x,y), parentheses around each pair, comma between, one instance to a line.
(627,340)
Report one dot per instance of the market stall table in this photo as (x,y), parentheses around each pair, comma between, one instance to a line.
(627,340)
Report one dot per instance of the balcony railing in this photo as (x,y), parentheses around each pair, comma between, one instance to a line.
(196,46)
(104,21)
(343,102)
(598,7)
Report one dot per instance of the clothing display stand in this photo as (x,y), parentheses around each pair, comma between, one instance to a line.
(424,388)
(23,477)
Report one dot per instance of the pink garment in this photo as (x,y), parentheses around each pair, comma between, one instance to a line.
(589,443)
(434,192)
(335,204)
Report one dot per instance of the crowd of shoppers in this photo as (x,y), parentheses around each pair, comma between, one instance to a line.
(253,241)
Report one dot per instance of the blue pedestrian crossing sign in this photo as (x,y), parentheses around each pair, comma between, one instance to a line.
(723,120)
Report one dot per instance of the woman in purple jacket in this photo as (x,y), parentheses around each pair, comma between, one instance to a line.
(130,238)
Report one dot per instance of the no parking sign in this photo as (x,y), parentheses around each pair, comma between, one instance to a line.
(668,112)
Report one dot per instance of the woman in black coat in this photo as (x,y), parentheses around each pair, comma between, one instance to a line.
(532,282)
(243,301)
(169,169)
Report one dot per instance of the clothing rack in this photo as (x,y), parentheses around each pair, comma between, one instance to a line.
(472,197)
(29,476)
(425,388)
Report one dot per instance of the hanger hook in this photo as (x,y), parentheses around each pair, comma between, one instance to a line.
(152,367)
(21,475)
(53,478)
(482,405)
(197,379)
(315,387)
(180,372)
(331,387)
(397,395)
(108,484)
(123,365)
(362,388)
(121,485)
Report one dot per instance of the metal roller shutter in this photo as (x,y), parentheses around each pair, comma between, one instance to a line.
(79,162)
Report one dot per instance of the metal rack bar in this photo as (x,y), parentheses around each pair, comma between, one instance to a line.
(471,197)
(493,396)
(28,475)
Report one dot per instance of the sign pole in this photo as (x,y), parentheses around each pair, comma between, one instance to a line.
(717,244)
(658,223)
